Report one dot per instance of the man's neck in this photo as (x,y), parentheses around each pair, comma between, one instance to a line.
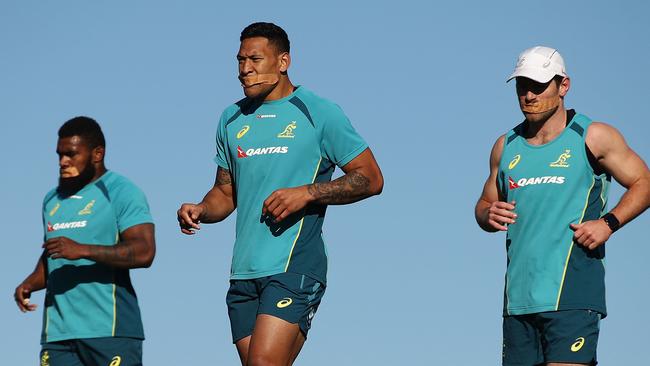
(542,132)
(283,89)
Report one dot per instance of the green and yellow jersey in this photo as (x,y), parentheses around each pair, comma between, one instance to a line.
(284,143)
(85,299)
(553,185)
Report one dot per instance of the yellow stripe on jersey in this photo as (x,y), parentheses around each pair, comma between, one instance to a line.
(566,263)
(114,311)
(301,220)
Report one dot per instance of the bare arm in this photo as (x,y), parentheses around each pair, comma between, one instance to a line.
(619,160)
(622,163)
(136,249)
(36,281)
(217,204)
(491,213)
(362,179)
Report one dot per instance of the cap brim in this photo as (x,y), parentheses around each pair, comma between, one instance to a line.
(538,75)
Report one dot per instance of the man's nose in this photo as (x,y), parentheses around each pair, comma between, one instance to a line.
(64,162)
(530,96)
(246,67)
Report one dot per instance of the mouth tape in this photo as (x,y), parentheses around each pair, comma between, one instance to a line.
(252,80)
(540,107)
(70,172)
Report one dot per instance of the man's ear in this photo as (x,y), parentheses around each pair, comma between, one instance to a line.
(285,61)
(565,85)
(98,154)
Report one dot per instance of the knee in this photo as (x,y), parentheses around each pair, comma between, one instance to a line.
(263,360)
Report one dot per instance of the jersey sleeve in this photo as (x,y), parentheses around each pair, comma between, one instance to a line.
(131,207)
(221,142)
(340,143)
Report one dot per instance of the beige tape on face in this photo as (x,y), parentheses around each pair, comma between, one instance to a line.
(70,172)
(252,80)
(541,106)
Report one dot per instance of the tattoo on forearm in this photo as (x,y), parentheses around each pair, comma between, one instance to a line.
(223,177)
(119,255)
(346,189)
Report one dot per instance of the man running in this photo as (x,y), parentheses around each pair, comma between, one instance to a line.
(276,151)
(97,226)
(547,188)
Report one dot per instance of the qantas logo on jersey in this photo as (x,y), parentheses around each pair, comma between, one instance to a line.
(266,116)
(66,225)
(549,179)
(261,151)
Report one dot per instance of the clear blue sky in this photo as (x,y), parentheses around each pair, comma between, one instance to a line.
(412,278)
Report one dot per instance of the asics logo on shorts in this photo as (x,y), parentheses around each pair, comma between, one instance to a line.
(116,361)
(284,302)
(580,341)
(45,359)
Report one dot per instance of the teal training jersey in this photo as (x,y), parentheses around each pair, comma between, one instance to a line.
(284,143)
(553,185)
(85,299)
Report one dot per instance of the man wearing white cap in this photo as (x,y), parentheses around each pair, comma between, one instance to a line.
(547,188)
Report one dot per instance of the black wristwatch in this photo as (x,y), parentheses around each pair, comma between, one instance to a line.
(611,221)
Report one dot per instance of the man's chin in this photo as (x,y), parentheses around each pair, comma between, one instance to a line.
(73,184)
(257,91)
(540,116)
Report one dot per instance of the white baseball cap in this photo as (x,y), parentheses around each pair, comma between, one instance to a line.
(540,64)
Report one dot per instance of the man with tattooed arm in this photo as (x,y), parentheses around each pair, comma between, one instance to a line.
(276,151)
(97,226)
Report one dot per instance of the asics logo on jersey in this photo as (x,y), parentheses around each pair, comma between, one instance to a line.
(561,160)
(580,341)
(266,116)
(288,131)
(535,180)
(116,361)
(55,209)
(66,225)
(514,162)
(243,131)
(88,209)
(284,302)
(261,151)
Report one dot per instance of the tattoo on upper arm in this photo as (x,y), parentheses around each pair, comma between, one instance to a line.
(223,177)
(348,188)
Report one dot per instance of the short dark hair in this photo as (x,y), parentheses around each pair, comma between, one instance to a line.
(86,128)
(276,35)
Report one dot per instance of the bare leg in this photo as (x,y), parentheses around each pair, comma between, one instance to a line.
(275,342)
(242,348)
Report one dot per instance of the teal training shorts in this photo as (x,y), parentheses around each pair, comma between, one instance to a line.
(109,351)
(568,336)
(289,296)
